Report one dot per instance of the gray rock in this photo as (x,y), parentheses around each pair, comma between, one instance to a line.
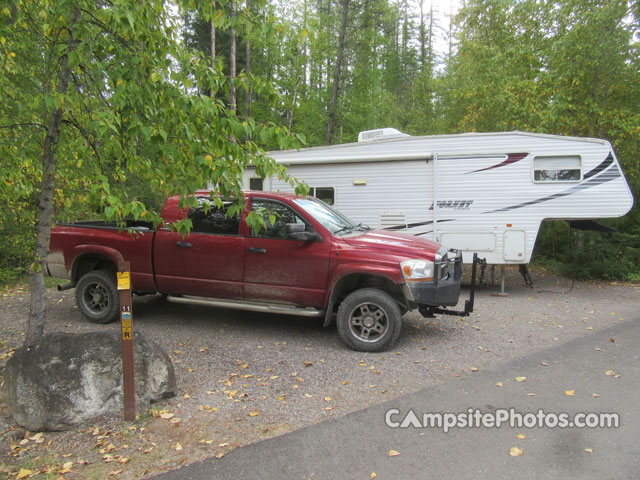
(66,379)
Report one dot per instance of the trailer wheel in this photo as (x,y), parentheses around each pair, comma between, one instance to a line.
(97,296)
(369,320)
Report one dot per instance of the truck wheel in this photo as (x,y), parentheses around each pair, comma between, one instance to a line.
(369,320)
(97,296)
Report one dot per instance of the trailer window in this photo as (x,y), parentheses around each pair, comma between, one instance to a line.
(256,183)
(557,169)
(326,194)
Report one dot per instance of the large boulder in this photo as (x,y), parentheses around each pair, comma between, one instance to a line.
(66,379)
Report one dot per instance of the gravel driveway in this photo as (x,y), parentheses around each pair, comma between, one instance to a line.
(247,376)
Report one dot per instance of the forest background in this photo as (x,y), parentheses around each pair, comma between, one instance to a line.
(328,69)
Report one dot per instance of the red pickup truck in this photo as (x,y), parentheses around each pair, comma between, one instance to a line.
(308,260)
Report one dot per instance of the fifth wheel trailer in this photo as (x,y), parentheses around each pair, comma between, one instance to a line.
(476,192)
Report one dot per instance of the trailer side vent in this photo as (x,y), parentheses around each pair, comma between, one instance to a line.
(379,134)
(393,221)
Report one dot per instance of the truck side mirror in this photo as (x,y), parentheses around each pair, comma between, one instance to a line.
(296,231)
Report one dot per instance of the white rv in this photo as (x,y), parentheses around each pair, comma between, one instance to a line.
(477,192)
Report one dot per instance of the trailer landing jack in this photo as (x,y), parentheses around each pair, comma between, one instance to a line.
(429,311)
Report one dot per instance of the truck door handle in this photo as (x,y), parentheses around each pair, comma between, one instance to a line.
(183,244)
(257,250)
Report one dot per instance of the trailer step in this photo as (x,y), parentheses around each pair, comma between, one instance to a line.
(249,306)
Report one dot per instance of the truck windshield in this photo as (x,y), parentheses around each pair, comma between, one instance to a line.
(331,219)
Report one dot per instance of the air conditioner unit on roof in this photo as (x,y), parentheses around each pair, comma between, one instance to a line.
(380,133)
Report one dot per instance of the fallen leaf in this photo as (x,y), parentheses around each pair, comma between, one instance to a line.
(595,395)
(308,364)
(498,384)
(598,349)
(590,450)
(611,373)
(531,394)
(222,445)
(109,448)
(220,455)
(327,399)
(521,436)
(544,364)
(393,453)
(373,475)
(24,473)
(178,447)
(308,395)
(570,393)
(520,379)
(515,452)
(113,473)
(473,369)
(612,340)
(66,468)
(123,460)
(254,414)
(167,415)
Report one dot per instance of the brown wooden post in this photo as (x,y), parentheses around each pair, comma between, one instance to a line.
(126,320)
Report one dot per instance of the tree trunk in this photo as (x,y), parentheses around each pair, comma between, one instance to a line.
(232,60)
(248,67)
(213,43)
(38,303)
(423,49)
(336,73)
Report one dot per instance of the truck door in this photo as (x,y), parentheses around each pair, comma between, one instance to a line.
(208,261)
(282,270)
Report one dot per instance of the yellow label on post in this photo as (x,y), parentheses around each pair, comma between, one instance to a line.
(126,320)
(124,281)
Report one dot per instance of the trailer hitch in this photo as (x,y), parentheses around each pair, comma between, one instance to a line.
(429,311)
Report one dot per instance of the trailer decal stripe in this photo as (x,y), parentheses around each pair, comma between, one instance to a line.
(511,158)
(603,166)
(413,225)
(610,174)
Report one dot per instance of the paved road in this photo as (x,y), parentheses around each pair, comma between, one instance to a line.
(358,444)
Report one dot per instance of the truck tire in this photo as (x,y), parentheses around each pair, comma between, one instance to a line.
(97,296)
(369,320)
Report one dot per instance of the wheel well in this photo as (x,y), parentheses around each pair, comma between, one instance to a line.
(357,281)
(89,263)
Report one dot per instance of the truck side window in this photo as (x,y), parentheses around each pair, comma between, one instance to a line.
(276,216)
(211,219)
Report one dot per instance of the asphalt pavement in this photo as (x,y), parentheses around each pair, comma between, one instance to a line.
(595,374)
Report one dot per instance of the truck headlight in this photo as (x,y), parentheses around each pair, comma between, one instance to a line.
(417,270)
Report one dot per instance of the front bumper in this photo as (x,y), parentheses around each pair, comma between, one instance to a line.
(444,290)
